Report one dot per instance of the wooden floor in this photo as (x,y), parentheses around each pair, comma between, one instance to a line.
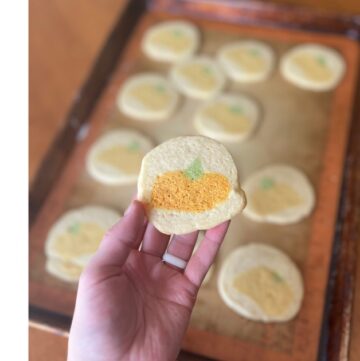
(65,36)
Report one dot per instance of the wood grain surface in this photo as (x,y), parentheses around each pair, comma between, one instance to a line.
(65,36)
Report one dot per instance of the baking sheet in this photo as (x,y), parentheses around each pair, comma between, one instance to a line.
(294,129)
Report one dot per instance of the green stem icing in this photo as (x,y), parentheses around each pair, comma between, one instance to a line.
(321,60)
(206,70)
(195,170)
(236,109)
(177,32)
(134,146)
(266,183)
(160,88)
(254,52)
(74,228)
(276,277)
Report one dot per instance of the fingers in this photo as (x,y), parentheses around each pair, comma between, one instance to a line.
(123,237)
(154,241)
(141,234)
(182,245)
(204,256)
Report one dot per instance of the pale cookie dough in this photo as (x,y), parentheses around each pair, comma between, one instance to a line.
(261,283)
(76,235)
(63,270)
(189,183)
(247,61)
(171,41)
(199,78)
(313,67)
(278,194)
(115,158)
(228,118)
(147,97)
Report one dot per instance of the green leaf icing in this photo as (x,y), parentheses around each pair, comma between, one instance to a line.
(236,109)
(321,60)
(206,70)
(254,52)
(266,183)
(74,228)
(276,277)
(133,146)
(160,88)
(195,170)
(177,32)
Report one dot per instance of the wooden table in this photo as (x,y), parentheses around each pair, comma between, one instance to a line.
(65,37)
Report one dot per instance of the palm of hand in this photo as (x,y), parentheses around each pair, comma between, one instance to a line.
(137,310)
(139,305)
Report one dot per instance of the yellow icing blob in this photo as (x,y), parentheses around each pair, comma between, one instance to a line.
(174,40)
(275,198)
(176,191)
(228,118)
(200,76)
(78,240)
(265,287)
(312,67)
(246,59)
(67,268)
(151,96)
(122,158)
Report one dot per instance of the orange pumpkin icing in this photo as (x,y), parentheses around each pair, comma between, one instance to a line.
(246,59)
(178,192)
(228,118)
(175,40)
(264,286)
(275,198)
(152,96)
(122,158)
(200,76)
(313,68)
(79,239)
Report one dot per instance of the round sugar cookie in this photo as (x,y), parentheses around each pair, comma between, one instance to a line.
(278,194)
(147,97)
(199,77)
(261,283)
(228,118)
(247,61)
(313,67)
(115,158)
(76,235)
(189,183)
(171,41)
(65,271)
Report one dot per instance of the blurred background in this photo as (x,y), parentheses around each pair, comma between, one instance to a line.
(65,37)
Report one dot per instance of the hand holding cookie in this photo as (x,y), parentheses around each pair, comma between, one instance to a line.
(132,301)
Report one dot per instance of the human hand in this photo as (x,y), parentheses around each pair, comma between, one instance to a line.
(130,304)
